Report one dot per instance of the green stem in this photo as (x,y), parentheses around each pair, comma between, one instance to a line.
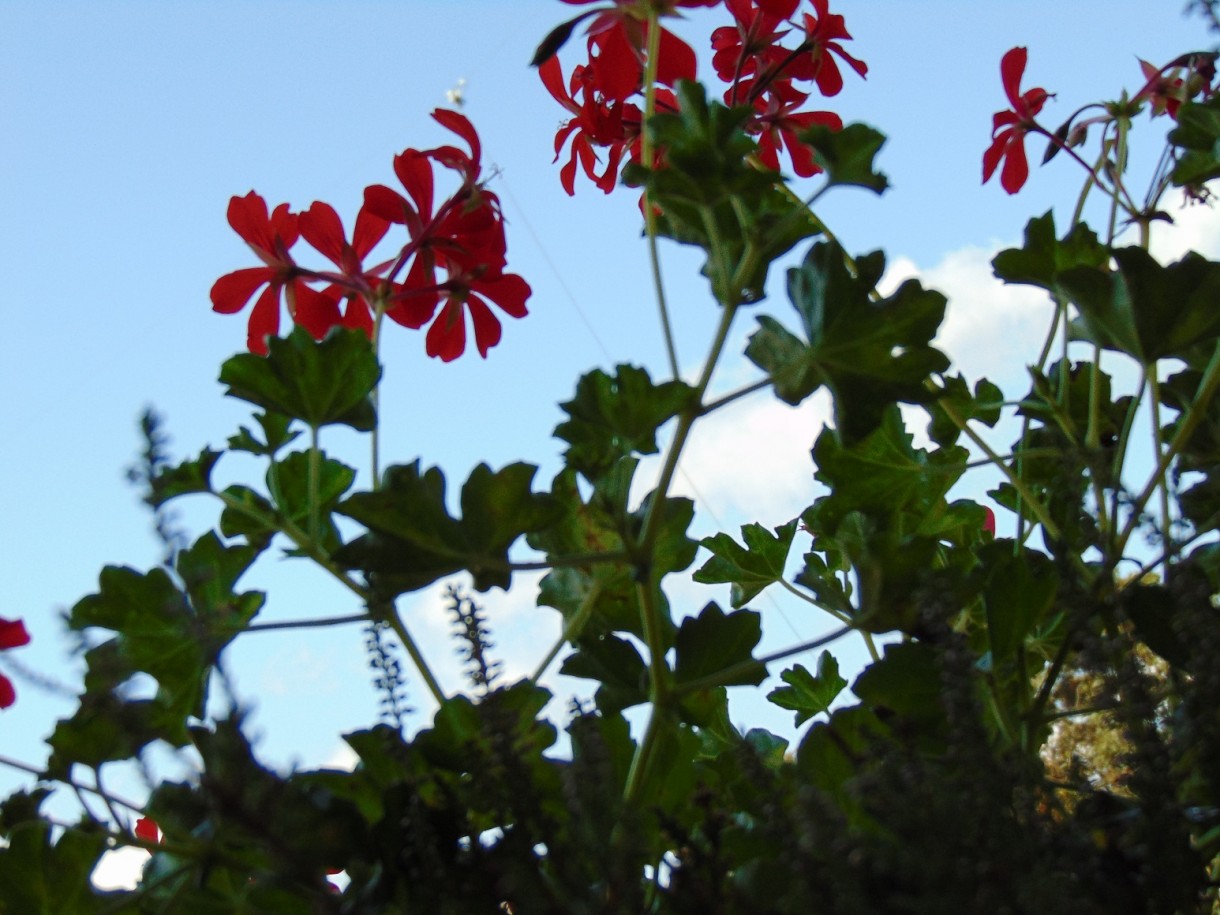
(841,617)
(572,628)
(1154,393)
(727,399)
(310,624)
(315,469)
(1039,510)
(297,536)
(1187,424)
(375,458)
(417,656)
(310,549)
(650,217)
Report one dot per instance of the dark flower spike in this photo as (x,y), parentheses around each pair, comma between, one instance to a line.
(1008,128)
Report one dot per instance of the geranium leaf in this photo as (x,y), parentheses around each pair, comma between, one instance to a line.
(188,477)
(319,383)
(1198,134)
(614,417)
(751,568)
(713,645)
(710,196)
(1144,309)
(806,694)
(1044,255)
(870,354)
(275,432)
(983,405)
(615,664)
(413,540)
(847,155)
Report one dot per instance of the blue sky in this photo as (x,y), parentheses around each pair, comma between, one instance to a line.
(126,126)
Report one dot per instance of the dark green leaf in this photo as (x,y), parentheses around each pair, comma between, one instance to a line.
(317,383)
(847,155)
(611,418)
(906,681)
(806,694)
(275,432)
(413,540)
(1144,309)
(38,877)
(870,354)
(710,196)
(188,477)
(1019,593)
(1044,256)
(616,665)
(1198,135)
(982,406)
(718,647)
(751,568)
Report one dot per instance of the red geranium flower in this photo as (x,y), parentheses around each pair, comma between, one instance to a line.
(1009,127)
(471,291)
(823,32)
(147,829)
(751,46)
(270,237)
(321,227)
(12,635)
(777,123)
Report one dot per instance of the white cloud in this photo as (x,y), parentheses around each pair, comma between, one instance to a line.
(1195,228)
(120,869)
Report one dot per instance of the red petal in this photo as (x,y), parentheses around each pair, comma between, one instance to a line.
(147,830)
(232,291)
(386,204)
(358,316)
(249,219)
(991,158)
(675,59)
(461,125)
(370,229)
(616,70)
(447,335)
(1012,68)
(264,320)
(323,229)
(8,695)
(486,325)
(13,634)
(1016,167)
(315,311)
(508,291)
(414,170)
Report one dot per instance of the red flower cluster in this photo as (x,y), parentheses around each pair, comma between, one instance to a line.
(597,92)
(453,259)
(12,635)
(761,72)
(1008,128)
